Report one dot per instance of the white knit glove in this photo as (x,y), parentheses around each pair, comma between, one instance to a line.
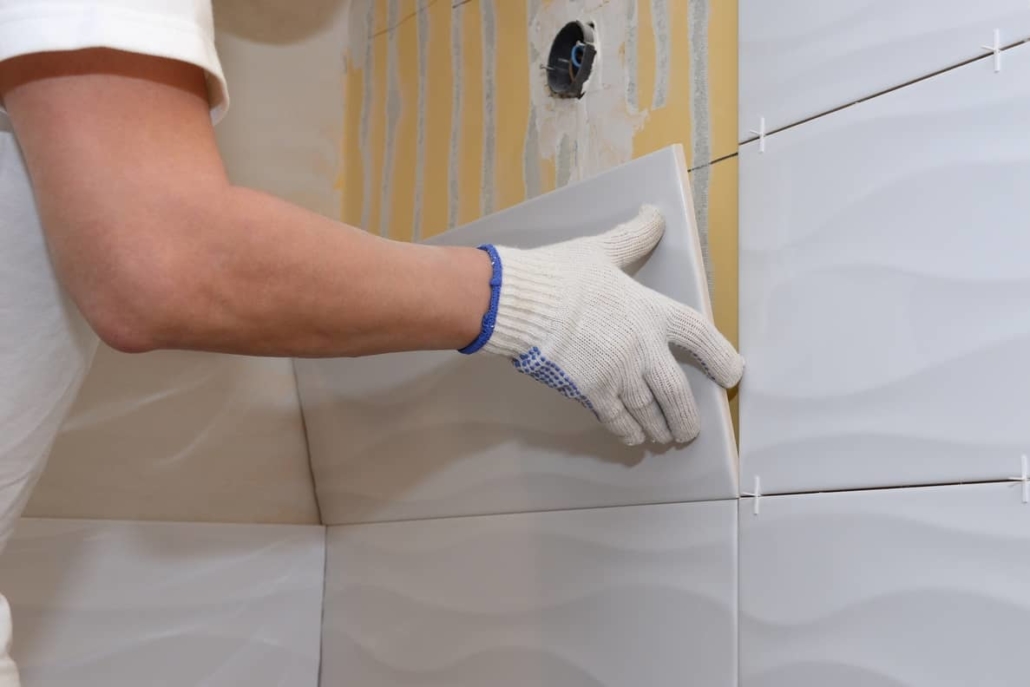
(567,315)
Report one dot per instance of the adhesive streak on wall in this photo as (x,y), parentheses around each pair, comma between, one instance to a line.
(438,174)
(456,119)
(512,165)
(662,36)
(359,36)
(532,182)
(377,130)
(629,55)
(423,84)
(403,179)
(393,111)
(472,137)
(700,138)
(489,42)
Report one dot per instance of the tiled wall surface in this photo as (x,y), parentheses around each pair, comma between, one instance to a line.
(885,312)
(884,316)
(801,59)
(181,436)
(885,587)
(613,596)
(120,603)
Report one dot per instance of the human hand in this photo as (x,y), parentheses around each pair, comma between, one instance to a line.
(569,316)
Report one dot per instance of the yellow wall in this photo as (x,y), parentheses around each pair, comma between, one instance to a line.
(433,141)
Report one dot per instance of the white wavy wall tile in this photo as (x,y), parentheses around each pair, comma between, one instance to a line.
(893,588)
(182,436)
(618,596)
(164,604)
(440,434)
(885,304)
(800,58)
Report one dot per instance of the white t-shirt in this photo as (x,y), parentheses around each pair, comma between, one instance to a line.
(45,345)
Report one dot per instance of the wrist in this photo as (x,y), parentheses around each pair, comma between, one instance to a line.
(486,323)
(524,303)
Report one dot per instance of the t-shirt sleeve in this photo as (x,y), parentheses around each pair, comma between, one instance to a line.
(176,29)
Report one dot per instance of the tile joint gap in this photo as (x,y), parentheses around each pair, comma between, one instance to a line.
(885,91)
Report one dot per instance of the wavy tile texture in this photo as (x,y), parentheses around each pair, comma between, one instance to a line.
(885,307)
(800,58)
(896,588)
(111,604)
(618,596)
(181,436)
(439,434)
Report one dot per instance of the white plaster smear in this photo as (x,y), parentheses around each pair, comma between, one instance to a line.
(601,124)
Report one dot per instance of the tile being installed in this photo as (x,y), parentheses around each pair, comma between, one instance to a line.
(885,289)
(920,587)
(642,595)
(419,435)
(164,604)
(800,58)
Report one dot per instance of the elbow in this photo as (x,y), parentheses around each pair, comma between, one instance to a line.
(143,268)
(124,332)
(133,307)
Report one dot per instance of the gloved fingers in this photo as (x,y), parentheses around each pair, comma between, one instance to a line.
(691,330)
(618,420)
(672,392)
(641,404)
(633,240)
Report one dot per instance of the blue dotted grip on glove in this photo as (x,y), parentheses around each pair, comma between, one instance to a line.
(490,318)
(537,366)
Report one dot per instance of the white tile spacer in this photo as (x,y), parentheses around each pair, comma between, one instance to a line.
(996,49)
(756,494)
(1025,479)
(761,134)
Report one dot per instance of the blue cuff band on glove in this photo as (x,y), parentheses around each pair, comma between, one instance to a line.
(490,318)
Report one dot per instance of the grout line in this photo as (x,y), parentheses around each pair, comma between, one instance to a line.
(307,443)
(929,485)
(715,161)
(885,91)
(530,512)
(737,614)
(925,485)
(321,621)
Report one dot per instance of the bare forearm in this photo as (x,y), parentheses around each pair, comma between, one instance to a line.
(160,251)
(262,276)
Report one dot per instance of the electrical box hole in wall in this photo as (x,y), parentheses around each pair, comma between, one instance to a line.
(571,59)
